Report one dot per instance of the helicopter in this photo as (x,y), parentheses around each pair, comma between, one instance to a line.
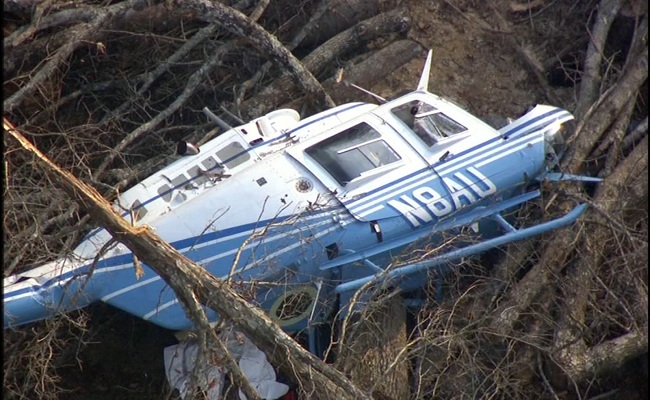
(302,213)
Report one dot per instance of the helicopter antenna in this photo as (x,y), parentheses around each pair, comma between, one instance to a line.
(376,96)
(424,79)
(339,79)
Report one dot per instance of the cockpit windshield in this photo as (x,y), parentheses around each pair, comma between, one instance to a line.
(349,154)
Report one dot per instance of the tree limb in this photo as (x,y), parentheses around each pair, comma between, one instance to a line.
(591,128)
(57,61)
(181,274)
(281,89)
(591,78)
(239,24)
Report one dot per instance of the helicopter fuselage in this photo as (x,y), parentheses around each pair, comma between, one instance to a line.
(268,204)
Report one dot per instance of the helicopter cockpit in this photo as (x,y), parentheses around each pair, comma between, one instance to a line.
(429,123)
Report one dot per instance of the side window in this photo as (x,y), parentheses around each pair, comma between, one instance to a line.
(165,191)
(352,152)
(139,210)
(233,154)
(409,114)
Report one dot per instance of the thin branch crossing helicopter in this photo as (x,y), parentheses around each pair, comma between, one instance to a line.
(309,210)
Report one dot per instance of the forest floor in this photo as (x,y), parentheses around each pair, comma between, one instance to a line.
(476,61)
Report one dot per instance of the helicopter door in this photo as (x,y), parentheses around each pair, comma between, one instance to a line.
(360,161)
(353,154)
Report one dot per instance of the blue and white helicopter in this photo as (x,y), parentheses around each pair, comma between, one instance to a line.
(302,213)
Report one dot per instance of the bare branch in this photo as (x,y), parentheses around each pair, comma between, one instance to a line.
(591,128)
(82,36)
(241,25)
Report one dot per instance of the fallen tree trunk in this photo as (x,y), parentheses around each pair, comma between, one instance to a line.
(283,89)
(194,285)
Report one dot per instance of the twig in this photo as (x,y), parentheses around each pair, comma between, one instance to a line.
(150,77)
(635,135)
(604,395)
(193,83)
(547,384)
(62,54)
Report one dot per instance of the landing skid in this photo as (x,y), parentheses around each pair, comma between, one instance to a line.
(438,263)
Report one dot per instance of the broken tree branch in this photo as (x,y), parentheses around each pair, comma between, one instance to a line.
(239,24)
(82,36)
(187,278)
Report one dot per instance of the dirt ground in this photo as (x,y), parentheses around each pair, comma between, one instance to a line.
(478,62)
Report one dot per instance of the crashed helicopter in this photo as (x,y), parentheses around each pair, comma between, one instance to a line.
(310,210)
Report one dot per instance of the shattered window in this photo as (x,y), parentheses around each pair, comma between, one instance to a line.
(427,122)
(447,126)
(352,152)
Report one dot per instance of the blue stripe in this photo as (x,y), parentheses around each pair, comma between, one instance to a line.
(123,259)
(534,120)
(439,163)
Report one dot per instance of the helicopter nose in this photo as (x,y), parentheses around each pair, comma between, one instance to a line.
(554,144)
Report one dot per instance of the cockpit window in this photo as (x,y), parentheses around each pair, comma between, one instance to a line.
(352,152)
(446,126)
(427,122)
